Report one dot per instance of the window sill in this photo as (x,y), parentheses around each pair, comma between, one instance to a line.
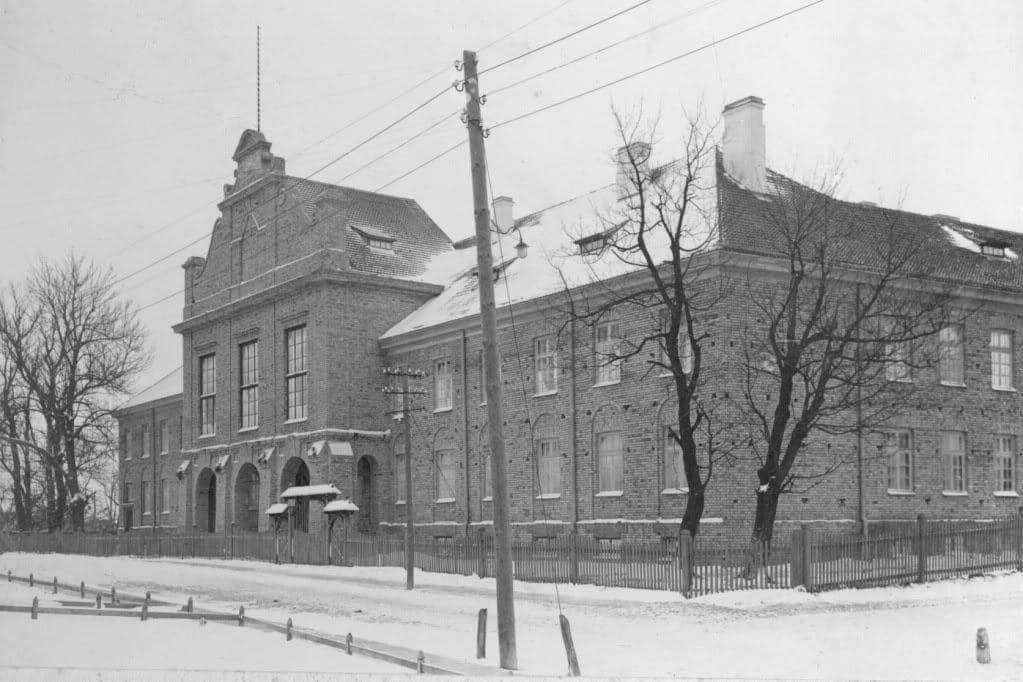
(549,496)
(607,383)
(895,492)
(147,513)
(446,500)
(165,513)
(955,493)
(165,452)
(439,410)
(1004,389)
(206,436)
(249,428)
(488,498)
(952,384)
(675,491)
(296,421)
(609,493)
(545,394)
(1006,493)
(145,456)
(909,381)
(399,503)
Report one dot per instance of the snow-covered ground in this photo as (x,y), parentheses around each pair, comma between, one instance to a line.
(97,647)
(919,632)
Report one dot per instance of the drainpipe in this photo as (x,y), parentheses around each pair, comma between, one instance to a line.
(573,425)
(465,428)
(153,454)
(862,508)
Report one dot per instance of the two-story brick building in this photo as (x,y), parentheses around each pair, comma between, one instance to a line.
(308,291)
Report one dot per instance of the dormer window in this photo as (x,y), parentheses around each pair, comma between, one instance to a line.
(991,248)
(591,247)
(374,238)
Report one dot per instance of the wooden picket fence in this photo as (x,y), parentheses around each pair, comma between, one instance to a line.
(926,550)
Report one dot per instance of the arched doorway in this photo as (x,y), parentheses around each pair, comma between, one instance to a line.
(365,499)
(246,498)
(206,501)
(296,472)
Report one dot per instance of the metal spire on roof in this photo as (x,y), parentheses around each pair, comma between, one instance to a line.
(259,103)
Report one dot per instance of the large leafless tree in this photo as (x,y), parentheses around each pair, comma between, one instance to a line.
(76,346)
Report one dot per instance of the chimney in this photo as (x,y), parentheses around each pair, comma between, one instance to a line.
(504,215)
(625,178)
(744,146)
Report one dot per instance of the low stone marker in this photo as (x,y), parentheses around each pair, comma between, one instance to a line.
(983,646)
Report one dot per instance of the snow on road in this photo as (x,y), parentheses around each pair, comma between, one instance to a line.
(920,632)
(98,647)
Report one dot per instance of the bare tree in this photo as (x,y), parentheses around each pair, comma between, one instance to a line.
(654,253)
(840,310)
(76,346)
(16,460)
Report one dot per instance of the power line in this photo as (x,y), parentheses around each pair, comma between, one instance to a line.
(422,165)
(605,48)
(525,25)
(407,141)
(656,66)
(564,37)
(161,300)
(162,259)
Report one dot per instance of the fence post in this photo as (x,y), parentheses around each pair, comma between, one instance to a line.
(287,631)
(241,615)
(35,608)
(807,556)
(55,584)
(921,550)
(686,556)
(99,600)
(81,589)
(31,580)
(797,547)
(573,557)
(481,634)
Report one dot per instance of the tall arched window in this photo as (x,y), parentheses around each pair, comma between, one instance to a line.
(609,447)
(548,457)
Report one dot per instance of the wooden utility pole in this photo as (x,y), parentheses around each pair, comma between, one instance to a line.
(488,322)
(406,416)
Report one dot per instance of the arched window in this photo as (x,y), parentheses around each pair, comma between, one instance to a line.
(445,466)
(673,478)
(246,498)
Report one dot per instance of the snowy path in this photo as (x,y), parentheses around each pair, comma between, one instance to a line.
(924,632)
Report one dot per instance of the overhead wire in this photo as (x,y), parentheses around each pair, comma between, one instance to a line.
(647,69)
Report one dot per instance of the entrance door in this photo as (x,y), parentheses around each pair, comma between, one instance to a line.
(128,520)
(365,522)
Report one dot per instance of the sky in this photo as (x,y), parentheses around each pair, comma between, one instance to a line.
(118,119)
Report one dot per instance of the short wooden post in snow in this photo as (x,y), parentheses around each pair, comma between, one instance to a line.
(149,595)
(421,662)
(983,646)
(99,600)
(189,606)
(55,584)
(81,589)
(35,608)
(348,644)
(481,634)
(145,610)
(241,615)
(113,595)
(9,578)
(566,637)
(287,630)
(31,580)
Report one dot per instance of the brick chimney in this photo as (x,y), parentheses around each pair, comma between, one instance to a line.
(504,213)
(744,147)
(638,154)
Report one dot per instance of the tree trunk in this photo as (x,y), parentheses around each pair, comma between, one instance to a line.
(763,525)
(51,501)
(694,512)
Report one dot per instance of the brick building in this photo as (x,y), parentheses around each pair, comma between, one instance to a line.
(308,291)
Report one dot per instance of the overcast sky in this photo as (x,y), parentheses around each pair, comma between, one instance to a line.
(118,119)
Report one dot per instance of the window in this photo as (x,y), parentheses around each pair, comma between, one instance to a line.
(609,366)
(950,360)
(207,394)
(545,361)
(1005,463)
(610,456)
(993,249)
(375,239)
(144,497)
(548,464)
(295,373)
(164,498)
(685,347)
(147,441)
(953,456)
(592,246)
(126,498)
(447,475)
(127,444)
(1001,359)
(164,440)
(442,385)
(248,377)
(674,473)
(252,493)
(399,468)
(899,448)
(897,367)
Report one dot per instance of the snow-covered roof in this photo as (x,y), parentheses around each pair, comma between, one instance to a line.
(166,387)
(331,447)
(340,506)
(277,508)
(321,490)
(553,262)
(183,467)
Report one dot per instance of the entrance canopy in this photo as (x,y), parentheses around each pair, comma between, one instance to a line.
(321,492)
(276,509)
(340,507)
